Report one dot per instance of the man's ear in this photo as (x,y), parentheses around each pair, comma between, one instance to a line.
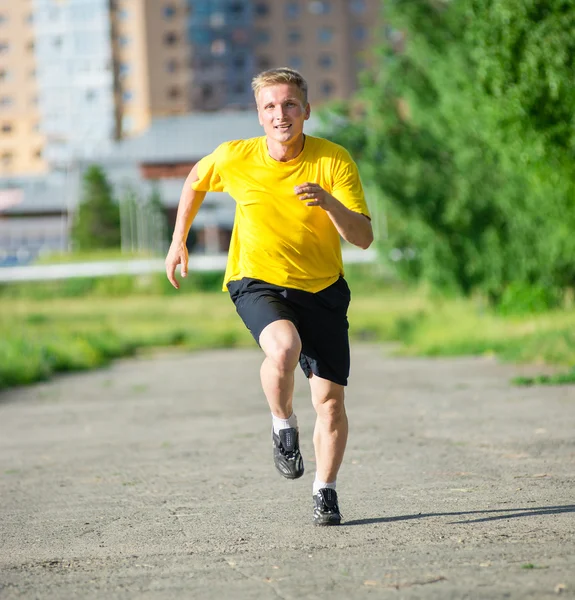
(307,111)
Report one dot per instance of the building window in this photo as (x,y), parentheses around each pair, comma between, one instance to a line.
(292,10)
(360,61)
(57,42)
(325,34)
(264,63)
(2,19)
(327,88)
(174,93)
(124,69)
(240,36)
(172,65)
(360,33)
(294,36)
(239,61)
(5,101)
(207,91)
(4,47)
(90,95)
(123,14)
(30,46)
(123,40)
(262,9)
(239,88)
(170,38)
(7,128)
(357,7)
(7,158)
(236,8)
(262,36)
(127,95)
(127,123)
(319,7)
(169,11)
(295,62)
(325,61)
(4,75)
(38,154)
(217,20)
(218,47)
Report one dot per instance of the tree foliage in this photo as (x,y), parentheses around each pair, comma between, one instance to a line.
(468,134)
(97,221)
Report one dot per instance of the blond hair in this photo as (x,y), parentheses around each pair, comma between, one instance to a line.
(280,75)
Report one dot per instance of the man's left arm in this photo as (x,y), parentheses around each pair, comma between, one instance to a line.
(354,227)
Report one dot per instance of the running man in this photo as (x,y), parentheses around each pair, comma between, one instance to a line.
(295,196)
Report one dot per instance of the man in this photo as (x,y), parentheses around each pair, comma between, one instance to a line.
(295,196)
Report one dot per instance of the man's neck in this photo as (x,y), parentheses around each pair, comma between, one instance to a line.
(285,152)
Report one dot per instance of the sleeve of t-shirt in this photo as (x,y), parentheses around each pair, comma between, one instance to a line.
(209,177)
(347,186)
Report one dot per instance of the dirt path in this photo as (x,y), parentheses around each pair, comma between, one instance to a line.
(154,479)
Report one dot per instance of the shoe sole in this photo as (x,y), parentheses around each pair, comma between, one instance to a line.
(289,475)
(327,523)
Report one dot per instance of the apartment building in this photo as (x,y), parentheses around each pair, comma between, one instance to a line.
(75,78)
(21,140)
(152,61)
(328,41)
(77,75)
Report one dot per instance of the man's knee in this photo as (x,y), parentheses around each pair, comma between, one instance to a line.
(328,399)
(330,409)
(281,344)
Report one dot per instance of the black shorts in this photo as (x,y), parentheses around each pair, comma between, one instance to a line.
(320,319)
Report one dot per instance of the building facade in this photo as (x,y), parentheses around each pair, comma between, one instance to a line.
(21,138)
(77,75)
(328,41)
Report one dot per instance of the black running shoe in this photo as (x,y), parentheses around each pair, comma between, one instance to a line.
(287,457)
(325,509)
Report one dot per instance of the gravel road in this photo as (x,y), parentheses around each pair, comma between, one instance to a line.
(154,479)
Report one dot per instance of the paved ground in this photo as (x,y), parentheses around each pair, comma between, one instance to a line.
(153,479)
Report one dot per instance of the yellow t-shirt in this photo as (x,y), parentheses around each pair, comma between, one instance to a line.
(276,237)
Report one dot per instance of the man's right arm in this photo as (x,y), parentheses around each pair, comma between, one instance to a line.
(190,202)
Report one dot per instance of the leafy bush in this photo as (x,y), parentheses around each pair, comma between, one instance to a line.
(465,136)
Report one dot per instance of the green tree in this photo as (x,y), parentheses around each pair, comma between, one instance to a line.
(467,133)
(97,221)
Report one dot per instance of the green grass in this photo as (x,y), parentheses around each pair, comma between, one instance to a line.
(82,324)
(42,337)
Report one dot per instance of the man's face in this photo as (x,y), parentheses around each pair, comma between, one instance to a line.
(282,111)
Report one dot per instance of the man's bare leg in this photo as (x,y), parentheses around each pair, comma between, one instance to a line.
(330,433)
(329,439)
(281,344)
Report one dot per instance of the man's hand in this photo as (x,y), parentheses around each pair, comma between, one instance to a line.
(315,195)
(354,227)
(177,255)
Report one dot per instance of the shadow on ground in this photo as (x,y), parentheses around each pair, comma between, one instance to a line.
(510,513)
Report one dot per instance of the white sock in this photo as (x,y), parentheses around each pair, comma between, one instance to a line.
(284,423)
(318,485)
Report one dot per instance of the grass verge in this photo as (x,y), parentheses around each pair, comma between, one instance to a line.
(81,324)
